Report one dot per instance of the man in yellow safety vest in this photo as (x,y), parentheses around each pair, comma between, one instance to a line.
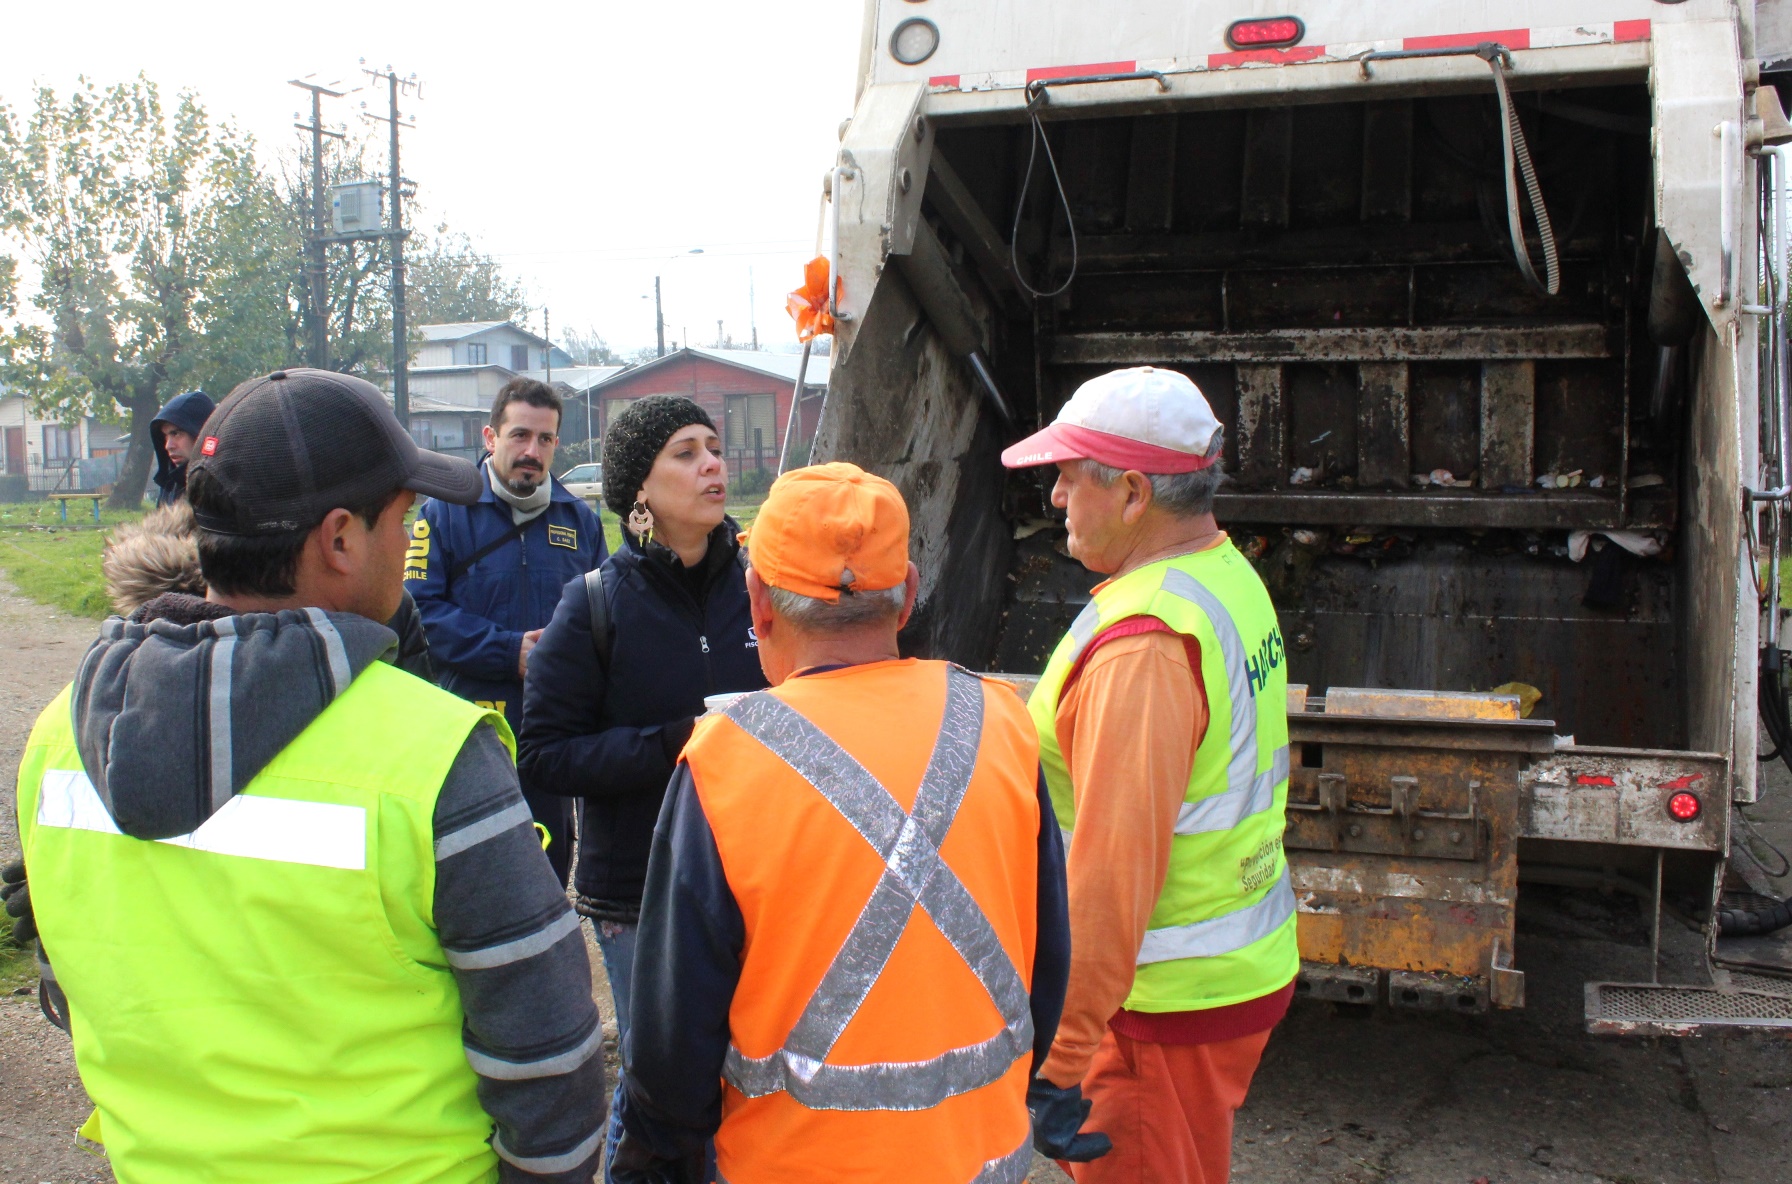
(292,896)
(1164,737)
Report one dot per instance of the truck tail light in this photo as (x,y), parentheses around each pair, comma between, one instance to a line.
(1274,32)
(1684,807)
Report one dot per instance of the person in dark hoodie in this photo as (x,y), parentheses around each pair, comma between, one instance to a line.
(606,720)
(296,908)
(175,433)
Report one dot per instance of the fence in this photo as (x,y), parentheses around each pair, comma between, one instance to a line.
(76,475)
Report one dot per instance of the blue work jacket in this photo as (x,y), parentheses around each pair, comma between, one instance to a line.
(476,620)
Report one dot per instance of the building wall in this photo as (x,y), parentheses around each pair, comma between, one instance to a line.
(23,447)
(710,384)
(497,344)
(469,388)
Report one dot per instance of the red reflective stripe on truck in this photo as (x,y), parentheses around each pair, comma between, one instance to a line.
(1298,53)
(1046,73)
(943,80)
(1630,30)
(1510,38)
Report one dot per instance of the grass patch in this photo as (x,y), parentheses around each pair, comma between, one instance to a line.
(18,967)
(55,564)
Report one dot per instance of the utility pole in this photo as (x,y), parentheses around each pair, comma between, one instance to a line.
(659,317)
(752,313)
(401,351)
(317,322)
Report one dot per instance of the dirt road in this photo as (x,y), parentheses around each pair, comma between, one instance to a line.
(1345,1097)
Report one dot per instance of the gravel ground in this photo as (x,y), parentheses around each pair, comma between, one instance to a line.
(1345,1095)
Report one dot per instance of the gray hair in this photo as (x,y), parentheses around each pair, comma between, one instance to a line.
(852,611)
(1185,495)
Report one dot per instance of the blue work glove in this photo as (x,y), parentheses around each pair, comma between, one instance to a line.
(1058,1116)
(17,895)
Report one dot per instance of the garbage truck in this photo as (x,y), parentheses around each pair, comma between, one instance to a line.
(1492,299)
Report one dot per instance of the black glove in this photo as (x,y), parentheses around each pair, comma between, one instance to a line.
(635,1163)
(1058,1115)
(17,896)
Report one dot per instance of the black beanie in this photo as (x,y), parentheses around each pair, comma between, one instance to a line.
(634,441)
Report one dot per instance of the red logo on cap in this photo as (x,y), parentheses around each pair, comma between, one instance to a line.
(210,447)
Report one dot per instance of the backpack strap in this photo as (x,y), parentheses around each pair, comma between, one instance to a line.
(460,569)
(598,605)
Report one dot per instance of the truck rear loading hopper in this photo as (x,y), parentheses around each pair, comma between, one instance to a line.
(1441,469)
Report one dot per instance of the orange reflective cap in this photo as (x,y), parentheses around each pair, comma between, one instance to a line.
(808,305)
(821,523)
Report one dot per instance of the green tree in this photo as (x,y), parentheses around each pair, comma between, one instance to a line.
(448,280)
(124,210)
(588,348)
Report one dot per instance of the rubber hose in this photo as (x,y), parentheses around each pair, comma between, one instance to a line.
(1754,922)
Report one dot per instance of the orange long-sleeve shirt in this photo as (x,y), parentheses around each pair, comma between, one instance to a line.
(1128,727)
(1129,722)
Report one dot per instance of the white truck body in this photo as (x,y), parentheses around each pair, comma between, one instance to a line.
(1318,234)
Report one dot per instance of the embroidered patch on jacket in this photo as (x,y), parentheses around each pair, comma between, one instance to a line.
(563,536)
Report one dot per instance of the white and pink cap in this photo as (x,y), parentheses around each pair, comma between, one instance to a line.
(1150,420)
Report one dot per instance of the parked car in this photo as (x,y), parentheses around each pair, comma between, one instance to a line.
(586,481)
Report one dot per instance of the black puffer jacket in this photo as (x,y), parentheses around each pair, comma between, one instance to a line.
(612,737)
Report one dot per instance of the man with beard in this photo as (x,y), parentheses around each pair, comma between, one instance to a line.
(486,577)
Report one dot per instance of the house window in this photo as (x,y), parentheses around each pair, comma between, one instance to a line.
(61,443)
(751,426)
(519,357)
(475,353)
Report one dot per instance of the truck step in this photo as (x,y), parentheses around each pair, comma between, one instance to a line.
(1751,1002)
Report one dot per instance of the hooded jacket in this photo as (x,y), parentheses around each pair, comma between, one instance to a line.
(151,558)
(187,412)
(613,735)
(151,715)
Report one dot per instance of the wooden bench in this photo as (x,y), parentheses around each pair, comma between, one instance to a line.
(66,498)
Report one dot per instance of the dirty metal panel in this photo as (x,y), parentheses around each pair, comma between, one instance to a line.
(1390,703)
(1387,161)
(1442,508)
(1262,427)
(1268,156)
(1660,1009)
(1620,796)
(1328,298)
(1398,893)
(1328,165)
(1446,417)
(1151,174)
(1579,410)
(1389,344)
(1508,422)
(1462,615)
(1384,440)
(1322,420)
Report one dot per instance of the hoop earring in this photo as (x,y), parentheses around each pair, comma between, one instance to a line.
(640,522)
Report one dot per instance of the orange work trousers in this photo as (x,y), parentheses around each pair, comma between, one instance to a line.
(1167,1107)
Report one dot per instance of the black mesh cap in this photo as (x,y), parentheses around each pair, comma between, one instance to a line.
(288,448)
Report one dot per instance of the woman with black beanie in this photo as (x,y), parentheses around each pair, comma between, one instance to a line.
(604,719)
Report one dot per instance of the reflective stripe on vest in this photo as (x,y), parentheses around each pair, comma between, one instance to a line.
(1249,792)
(908,844)
(1222,934)
(283,830)
(1004,1169)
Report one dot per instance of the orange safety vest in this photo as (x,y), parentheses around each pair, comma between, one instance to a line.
(878,826)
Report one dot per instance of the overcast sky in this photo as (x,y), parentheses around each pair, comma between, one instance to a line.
(581,143)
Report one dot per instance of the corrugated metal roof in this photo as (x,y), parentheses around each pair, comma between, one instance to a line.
(765,361)
(776,365)
(579,378)
(460,329)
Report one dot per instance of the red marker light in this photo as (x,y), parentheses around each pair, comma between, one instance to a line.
(1684,806)
(1270,33)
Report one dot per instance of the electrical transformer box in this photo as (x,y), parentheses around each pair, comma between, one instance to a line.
(355,207)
